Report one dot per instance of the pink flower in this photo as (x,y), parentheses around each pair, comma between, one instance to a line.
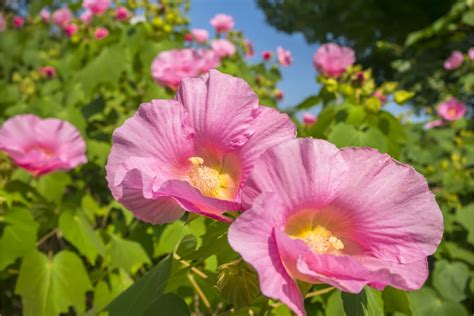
(309,119)
(200,35)
(18,21)
(267,55)
(100,33)
(249,49)
(454,60)
(284,57)
(223,47)
(192,153)
(170,67)
(86,17)
(452,109)
(3,23)
(188,37)
(71,29)
(433,124)
(122,14)
(279,94)
(48,71)
(333,60)
(222,23)
(62,17)
(42,145)
(379,94)
(97,7)
(470,53)
(349,218)
(45,15)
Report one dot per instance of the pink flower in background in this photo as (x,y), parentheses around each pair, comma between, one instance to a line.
(48,71)
(100,33)
(3,23)
(433,124)
(470,53)
(379,94)
(45,15)
(249,49)
(454,60)
(309,119)
(284,57)
(279,94)
(170,67)
(192,153)
(349,218)
(200,35)
(42,145)
(333,60)
(97,7)
(222,23)
(223,47)
(452,109)
(18,21)
(86,17)
(122,14)
(62,17)
(188,37)
(267,55)
(71,29)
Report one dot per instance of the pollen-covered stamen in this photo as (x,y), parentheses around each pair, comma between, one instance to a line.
(206,179)
(320,240)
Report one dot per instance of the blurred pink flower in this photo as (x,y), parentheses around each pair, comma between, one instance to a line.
(333,60)
(62,17)
(433,124)
(284,57)
(222,23)
(470,53)
(18,21)
(188,37)
(309,119)
(42,145)
(192,153)
(223,47)
(249,49)
(350,218)
(279,94)
(97,7)
(452,109)
(100,33)
(170,67)
(122,14)
(71,29)
(379,94)
(48,71)
(200,35)
(267,55)
(45,15)
(454,60)
(86,17)
(3,23)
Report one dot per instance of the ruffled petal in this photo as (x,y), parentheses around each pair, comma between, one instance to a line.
(251,234)
(221,108)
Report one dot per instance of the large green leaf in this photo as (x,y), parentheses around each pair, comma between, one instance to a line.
(367,303)
(395,300)
(49,286)
(168,304)
(137,298)
(343,135)
(465,217)
(52,186)
(125,254)
(450,279)
(171,234)
(105,292)
(77,230)
(426,302)
(19,236)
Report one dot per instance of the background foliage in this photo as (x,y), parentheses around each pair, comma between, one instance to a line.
(67,247)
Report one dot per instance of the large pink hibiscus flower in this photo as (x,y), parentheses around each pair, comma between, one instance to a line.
(192,153)
(349,218)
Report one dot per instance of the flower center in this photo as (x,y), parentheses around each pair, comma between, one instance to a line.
(209,181)
(321,240)
(452,112)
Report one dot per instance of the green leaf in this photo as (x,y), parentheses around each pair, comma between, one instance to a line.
(19,236)
(308,102)
(77,230)
(168,304)
(334,305)
(468,18)
(450,279)
(174,232)
(403,96)
(465,217)
(237,283)
(52,186)
(137,298)
(395,300)
(367,303)
(49,286)
(425,302)
(125,254)
(343,135)
(105,292)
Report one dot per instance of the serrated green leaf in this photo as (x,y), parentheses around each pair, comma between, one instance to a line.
(343,135)
(125,254)
(49,286)
(450,279)
(425,302)
(367,303)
